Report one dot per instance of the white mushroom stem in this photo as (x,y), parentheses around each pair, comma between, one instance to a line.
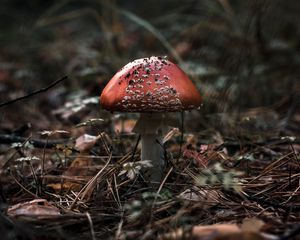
(150,126)
(152,149)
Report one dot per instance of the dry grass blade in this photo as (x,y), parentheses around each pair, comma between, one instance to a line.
(90,185)
(293,194)
(117,192)
(91,225)
(24,188)
(272,166)
(154,31)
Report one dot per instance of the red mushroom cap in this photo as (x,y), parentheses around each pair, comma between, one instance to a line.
(150,85)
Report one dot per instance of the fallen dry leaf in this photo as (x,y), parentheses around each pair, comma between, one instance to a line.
(252,225)
(226,231)
(37,208)
(58,187)
(209,232)
(80,167)
(85,142)
(216,230)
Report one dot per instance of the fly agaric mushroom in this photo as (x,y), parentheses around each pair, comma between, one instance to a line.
(150,86)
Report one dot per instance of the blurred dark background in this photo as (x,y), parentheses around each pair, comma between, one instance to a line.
(243,56)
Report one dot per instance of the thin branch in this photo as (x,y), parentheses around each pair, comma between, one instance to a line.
(135,148)
(33,93)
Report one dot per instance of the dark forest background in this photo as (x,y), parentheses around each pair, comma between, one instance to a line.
(241,54)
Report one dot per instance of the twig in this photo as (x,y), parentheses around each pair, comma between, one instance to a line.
(33,93)
(135,148)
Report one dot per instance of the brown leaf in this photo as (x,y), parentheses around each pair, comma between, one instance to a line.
(216,230)
(85,142)
(252,225)
(37,208)
(58,187)
(79,166)
(224,232)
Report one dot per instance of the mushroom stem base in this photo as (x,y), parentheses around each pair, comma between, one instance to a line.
(151,126)
(152,150)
